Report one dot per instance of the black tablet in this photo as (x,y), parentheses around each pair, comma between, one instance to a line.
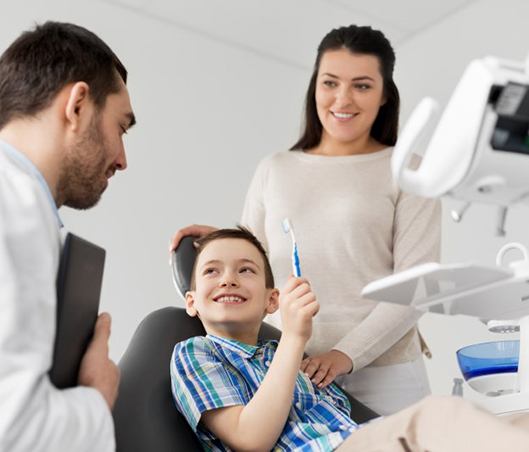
(79,283)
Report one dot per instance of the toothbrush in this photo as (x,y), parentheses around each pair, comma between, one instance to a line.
(287,228)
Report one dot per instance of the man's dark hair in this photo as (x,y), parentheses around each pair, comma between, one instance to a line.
(240,233)
(37,65)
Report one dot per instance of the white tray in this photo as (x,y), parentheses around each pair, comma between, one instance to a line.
(488,292)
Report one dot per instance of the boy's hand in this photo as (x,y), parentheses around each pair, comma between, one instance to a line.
(298,305)
(323,369)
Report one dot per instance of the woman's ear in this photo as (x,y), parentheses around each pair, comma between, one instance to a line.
(190,304)
(78,104)
(384,99)
(273,301)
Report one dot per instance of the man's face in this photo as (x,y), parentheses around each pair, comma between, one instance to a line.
(98,153)
(230,295)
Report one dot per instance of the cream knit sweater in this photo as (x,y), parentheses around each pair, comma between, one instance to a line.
(352,226)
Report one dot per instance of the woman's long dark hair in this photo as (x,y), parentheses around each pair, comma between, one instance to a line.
(362,40)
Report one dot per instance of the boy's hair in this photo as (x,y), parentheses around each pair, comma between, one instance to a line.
(42,61)
(241,233)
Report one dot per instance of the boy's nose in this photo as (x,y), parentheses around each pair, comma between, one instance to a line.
(229,283)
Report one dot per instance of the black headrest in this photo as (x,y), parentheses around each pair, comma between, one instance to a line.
(182,261)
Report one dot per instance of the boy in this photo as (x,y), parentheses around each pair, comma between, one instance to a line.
(240,394)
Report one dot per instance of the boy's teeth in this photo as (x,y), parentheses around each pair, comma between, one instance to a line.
(229,300)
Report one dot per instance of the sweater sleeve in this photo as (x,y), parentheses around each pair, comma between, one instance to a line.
(416,240)
(417,231)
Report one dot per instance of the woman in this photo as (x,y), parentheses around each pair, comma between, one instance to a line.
(352,224)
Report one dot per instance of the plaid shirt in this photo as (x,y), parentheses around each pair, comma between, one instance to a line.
(212,372)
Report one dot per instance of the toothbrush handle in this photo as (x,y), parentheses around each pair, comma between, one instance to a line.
(295,262)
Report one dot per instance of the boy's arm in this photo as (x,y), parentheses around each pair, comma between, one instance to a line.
(257,425)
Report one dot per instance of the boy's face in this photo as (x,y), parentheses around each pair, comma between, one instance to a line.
(230,296)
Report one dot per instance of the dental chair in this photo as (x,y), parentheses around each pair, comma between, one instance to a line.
(145,416)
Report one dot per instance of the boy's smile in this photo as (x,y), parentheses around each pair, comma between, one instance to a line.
(229,298)
(230,294)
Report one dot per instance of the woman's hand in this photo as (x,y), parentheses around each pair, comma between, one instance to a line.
(197,230)
(323,369)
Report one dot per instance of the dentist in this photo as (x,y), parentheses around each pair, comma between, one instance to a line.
(64,108)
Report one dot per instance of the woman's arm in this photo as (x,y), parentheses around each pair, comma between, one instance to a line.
(417,231)
(416,240)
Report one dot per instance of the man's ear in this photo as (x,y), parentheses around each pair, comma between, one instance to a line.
(78,104)
(273,301)
(190,304)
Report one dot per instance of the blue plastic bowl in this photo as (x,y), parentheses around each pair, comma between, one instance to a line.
(488,358)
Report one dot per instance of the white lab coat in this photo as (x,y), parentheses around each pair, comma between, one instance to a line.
(34,415)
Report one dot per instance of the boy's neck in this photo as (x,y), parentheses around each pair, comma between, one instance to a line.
(244,336)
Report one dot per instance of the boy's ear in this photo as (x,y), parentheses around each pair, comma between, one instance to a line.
(190,304)
(273,301)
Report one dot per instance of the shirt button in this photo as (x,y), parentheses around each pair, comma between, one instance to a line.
(267,363)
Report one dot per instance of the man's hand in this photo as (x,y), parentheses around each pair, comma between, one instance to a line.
(97,370)
(298,305)
(197,230)
(323,369)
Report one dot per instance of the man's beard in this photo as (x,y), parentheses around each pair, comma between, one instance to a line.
(83,175)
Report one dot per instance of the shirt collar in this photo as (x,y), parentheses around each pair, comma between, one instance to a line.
(29,166)
(238,347)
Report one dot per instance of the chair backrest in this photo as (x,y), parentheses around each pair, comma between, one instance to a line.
(145,416)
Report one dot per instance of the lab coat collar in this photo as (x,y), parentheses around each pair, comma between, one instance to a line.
(22,159)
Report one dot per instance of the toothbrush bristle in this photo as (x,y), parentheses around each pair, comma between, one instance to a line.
(286,225)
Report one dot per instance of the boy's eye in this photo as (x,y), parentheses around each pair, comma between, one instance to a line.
(247,270)
(209,271)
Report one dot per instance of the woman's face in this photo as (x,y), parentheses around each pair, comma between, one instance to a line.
(349,93)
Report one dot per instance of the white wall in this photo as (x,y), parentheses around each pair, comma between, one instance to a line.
(431,64)
(208,112)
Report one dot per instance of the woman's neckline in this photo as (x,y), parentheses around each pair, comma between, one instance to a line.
(343,158)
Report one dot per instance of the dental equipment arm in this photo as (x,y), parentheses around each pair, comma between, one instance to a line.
(478,150)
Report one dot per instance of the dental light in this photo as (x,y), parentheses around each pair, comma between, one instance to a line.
(478,149)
